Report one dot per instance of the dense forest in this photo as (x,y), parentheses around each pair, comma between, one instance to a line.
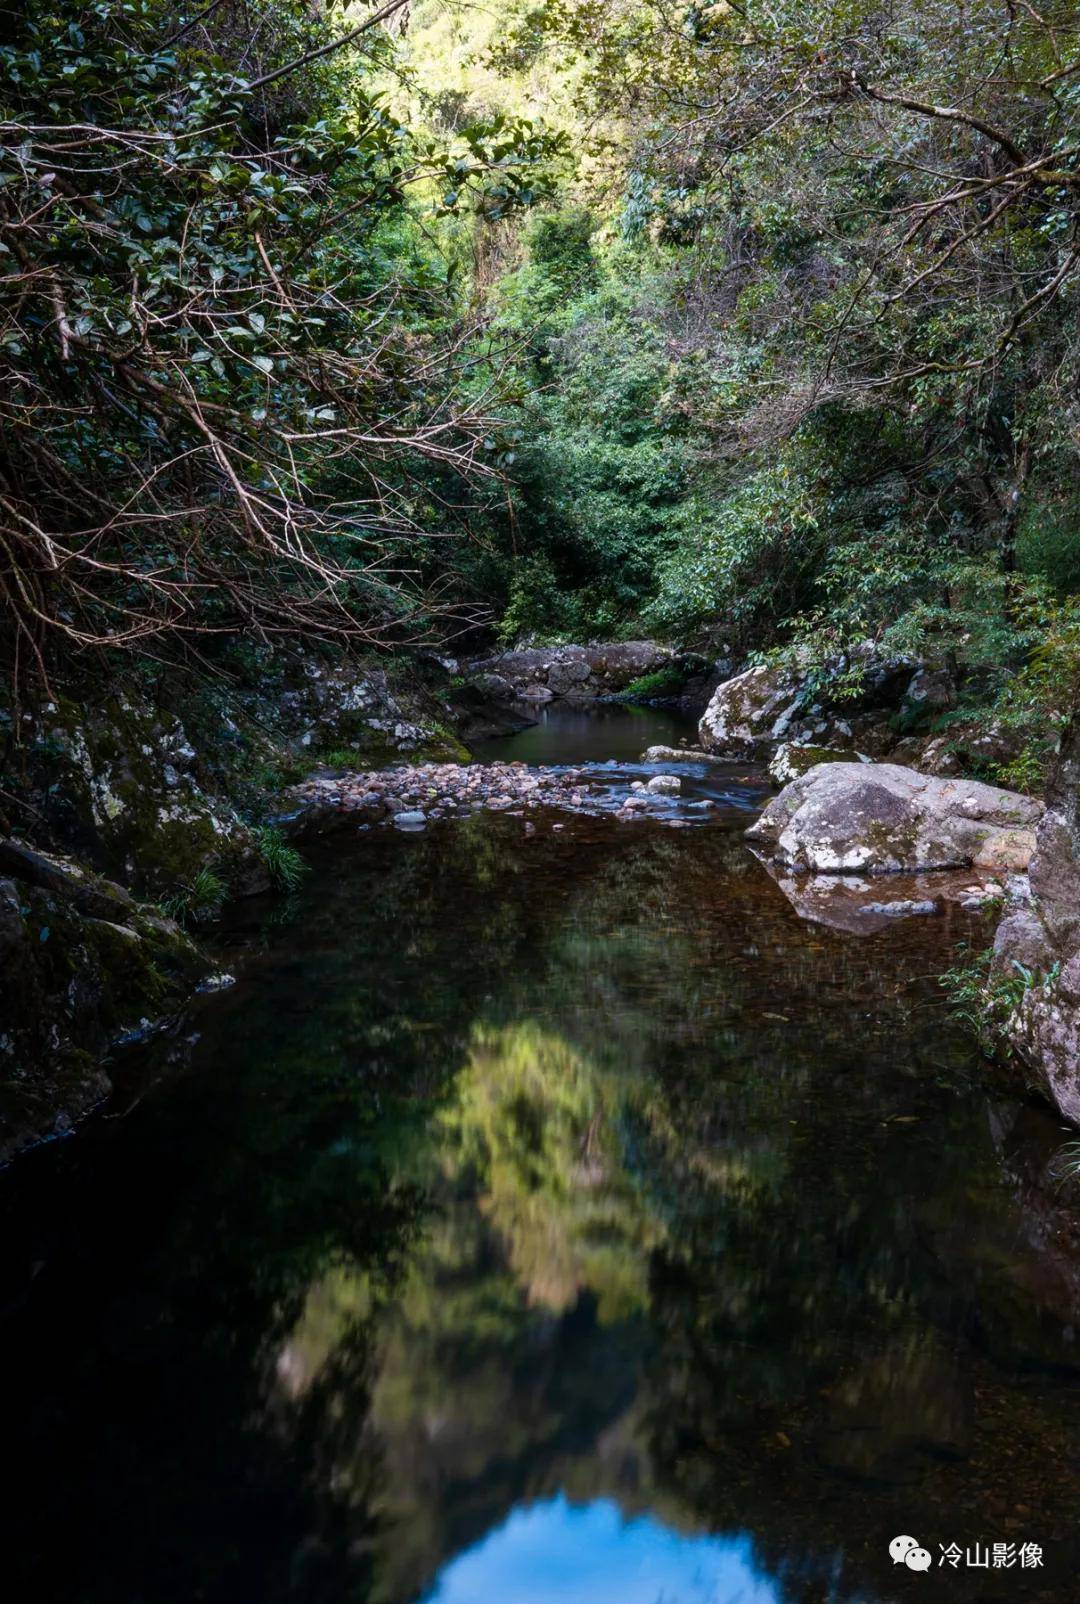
(342,345)
(752,326)
(540,800)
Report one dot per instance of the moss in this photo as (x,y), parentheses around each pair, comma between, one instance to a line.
(666,681)
(69,986)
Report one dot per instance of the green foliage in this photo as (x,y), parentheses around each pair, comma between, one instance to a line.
(986,999)
(760,397)
(197,900)
(244,332)
(282,862)
(1066,1164)
(666,681)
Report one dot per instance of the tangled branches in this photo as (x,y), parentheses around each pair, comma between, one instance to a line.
(224,403)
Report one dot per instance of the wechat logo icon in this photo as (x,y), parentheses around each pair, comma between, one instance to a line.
(907,1551)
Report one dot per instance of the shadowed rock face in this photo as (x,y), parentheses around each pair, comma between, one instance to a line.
(81,965)
(578,673)
(859,818)
(1041,933)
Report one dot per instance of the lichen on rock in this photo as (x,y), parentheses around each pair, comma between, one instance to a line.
(881,818)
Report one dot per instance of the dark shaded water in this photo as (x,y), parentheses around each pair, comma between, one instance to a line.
(605,733)
(545,1218)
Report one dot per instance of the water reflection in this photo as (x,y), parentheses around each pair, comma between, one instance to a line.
(562,1177)
(555,1553)
(568,734)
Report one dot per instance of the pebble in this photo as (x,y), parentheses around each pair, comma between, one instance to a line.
(410,819)
(413,796)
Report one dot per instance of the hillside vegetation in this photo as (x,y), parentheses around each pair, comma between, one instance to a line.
(751,327)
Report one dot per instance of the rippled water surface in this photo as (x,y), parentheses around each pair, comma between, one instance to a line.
(548,1216)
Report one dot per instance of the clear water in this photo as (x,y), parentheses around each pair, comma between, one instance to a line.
(545,1218)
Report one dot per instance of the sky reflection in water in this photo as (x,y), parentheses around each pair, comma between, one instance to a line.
(556,1553)
(526,1162)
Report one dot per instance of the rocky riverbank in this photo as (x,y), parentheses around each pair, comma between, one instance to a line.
(410,797)
(132,810)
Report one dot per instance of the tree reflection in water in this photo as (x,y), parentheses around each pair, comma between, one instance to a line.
(567,1174)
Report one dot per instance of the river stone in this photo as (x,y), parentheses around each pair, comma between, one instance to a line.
(410,819)
(880,818)
(751,711)
(665,784)
(678,754)
(906,908)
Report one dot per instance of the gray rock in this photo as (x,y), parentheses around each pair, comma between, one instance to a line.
(903,909)
(665,784)
(790,760)
(930,690)
(842,703)
(410,819)
(92,894)
(1040,937)
(218,982)
(567,676)
(539,674)
(751,711)
(678,754)
(856,818)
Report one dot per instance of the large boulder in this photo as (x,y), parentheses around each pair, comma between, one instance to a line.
(1037,948)
(847,702)
(790,760)
(751,712)
(880,818)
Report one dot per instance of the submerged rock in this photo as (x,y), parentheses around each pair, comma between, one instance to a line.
(863,904)
(856,818)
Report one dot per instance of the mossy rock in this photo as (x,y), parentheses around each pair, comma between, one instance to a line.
(790,762)
(81,967)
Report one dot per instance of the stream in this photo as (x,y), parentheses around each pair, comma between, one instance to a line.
(548,1215)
